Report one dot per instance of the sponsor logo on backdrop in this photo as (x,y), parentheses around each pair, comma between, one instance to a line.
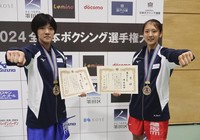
(122,8)
(93,7)
(124,98)
(150,4)
(63,8)
(3,68)
(96,123)
(91,62)
(120,118)
(93,120)
(32,4)
(94,100)
(8,10)
(71,123)
(9,122)
(32,8)
(5,5)
(3,65)
(150,11)
(9,95)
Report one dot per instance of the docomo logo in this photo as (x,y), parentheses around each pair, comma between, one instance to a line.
(93,7)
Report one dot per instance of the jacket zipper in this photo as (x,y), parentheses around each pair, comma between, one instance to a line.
(142,106)
(56,110)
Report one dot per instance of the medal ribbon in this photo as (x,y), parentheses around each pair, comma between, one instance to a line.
(148,68)
(52,62)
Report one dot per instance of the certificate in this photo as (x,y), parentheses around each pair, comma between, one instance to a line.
(123,79)
(73,81)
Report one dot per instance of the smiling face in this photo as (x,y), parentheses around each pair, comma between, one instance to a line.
(45,35)
(151,34)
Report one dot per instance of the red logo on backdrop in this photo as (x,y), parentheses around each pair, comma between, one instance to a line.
(9,122)
(92,7)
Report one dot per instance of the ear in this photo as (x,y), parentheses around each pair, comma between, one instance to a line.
(160,35)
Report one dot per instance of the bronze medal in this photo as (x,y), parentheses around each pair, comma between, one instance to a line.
(146,90)
(56,89)
(148,66)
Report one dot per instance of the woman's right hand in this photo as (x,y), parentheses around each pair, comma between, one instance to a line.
(116,93)
(17,57)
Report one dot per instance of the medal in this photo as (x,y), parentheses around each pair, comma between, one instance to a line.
(56,90)
(148,70)
(146,90)
(54,67)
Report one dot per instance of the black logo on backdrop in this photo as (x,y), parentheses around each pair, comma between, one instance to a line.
(120,99)
(91,62)
(63,8)
(32,4)
(120,114)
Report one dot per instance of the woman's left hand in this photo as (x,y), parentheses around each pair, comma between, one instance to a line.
(83,94)
(185,58)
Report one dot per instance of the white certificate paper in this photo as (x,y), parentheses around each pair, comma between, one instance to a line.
(123,79)
(73,81)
